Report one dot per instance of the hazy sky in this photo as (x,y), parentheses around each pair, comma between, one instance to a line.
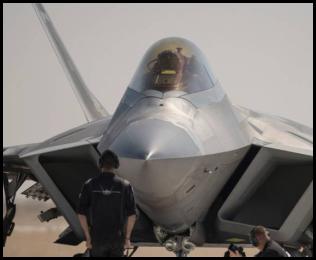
(261,54)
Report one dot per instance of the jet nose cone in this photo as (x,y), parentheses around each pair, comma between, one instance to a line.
(154,139)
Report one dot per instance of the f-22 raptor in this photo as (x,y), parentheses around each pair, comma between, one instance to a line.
(204,171)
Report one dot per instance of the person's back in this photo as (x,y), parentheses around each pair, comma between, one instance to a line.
(105,200)
(107,210)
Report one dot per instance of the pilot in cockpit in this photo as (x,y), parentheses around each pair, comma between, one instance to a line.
(173,64)
(171,70)
(166,71)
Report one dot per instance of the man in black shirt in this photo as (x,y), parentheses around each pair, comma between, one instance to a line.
(260,238)
(107,211)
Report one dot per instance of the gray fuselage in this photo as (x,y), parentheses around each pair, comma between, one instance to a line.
(177,150)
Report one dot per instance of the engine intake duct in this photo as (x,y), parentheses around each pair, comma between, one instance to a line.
(275,191)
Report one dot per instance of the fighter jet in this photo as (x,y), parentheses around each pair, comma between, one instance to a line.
(204,171)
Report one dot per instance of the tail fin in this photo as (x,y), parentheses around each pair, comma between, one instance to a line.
(91,107)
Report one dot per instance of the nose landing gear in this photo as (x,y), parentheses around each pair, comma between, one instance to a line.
(178,244)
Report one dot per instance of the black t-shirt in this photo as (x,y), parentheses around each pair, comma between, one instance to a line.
(107,200)
(272,249)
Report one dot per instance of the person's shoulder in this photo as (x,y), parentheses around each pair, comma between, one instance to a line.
(275,245)
(90,181)
(274,249)
(122,181)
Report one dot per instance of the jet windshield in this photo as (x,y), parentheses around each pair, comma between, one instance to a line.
(173,64)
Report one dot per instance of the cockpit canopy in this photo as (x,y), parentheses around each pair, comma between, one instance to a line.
(173,64)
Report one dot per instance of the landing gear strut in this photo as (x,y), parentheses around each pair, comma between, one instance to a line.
(9,191)
(181,253)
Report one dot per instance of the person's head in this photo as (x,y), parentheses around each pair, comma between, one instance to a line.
(259,236)
(108,161)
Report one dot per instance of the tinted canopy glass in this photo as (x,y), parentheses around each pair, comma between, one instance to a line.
(173,64)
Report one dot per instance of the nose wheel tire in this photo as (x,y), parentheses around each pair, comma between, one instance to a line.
(181,253)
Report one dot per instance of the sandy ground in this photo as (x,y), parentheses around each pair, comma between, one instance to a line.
(33,238)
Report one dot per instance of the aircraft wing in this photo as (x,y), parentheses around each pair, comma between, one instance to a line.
(12,164)
(276,131)
(271,186)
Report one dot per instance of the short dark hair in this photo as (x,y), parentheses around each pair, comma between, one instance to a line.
(260,230)
(109,159)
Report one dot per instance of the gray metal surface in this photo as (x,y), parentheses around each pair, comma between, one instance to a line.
(175,193)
